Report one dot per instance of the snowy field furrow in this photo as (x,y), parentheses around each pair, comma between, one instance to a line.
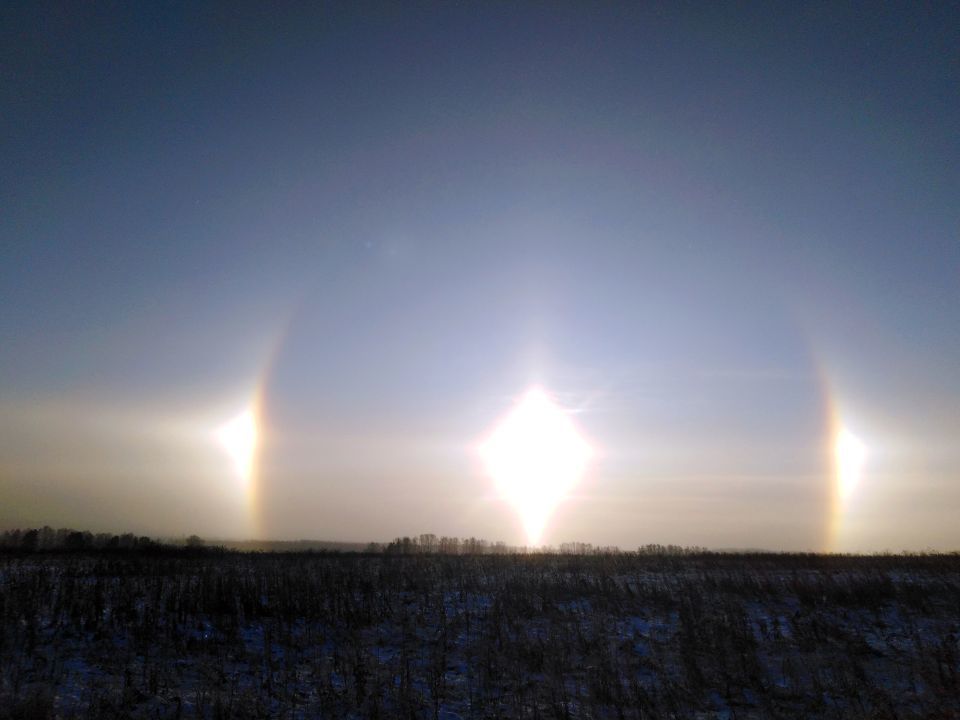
(432,636)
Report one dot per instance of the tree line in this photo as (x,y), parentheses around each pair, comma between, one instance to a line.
(69,539)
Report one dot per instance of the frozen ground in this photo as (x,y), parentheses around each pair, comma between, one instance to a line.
(617,636)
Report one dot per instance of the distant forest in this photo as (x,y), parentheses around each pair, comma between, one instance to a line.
(69,539)
(47,539)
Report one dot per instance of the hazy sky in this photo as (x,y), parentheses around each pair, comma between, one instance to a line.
(719,236)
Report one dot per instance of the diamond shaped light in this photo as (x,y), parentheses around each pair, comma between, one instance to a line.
(535,456)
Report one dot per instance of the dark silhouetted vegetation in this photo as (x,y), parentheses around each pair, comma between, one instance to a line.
(115,626)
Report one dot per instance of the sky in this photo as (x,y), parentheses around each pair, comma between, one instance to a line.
(290,272)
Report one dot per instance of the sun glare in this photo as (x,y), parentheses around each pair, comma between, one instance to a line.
(536,457)
(850,455)
(238,438)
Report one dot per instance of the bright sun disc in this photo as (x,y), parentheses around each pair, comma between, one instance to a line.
(536,457)
(238,438)
(850,455)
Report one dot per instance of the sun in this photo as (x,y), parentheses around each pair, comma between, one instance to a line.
(535,456)
(850,453)
(239,438)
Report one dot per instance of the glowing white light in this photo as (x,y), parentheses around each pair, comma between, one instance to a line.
(238,437)
(536,457)
(850,454)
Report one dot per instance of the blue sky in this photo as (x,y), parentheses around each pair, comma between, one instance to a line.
(715,234)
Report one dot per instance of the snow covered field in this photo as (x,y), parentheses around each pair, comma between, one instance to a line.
(433,636)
